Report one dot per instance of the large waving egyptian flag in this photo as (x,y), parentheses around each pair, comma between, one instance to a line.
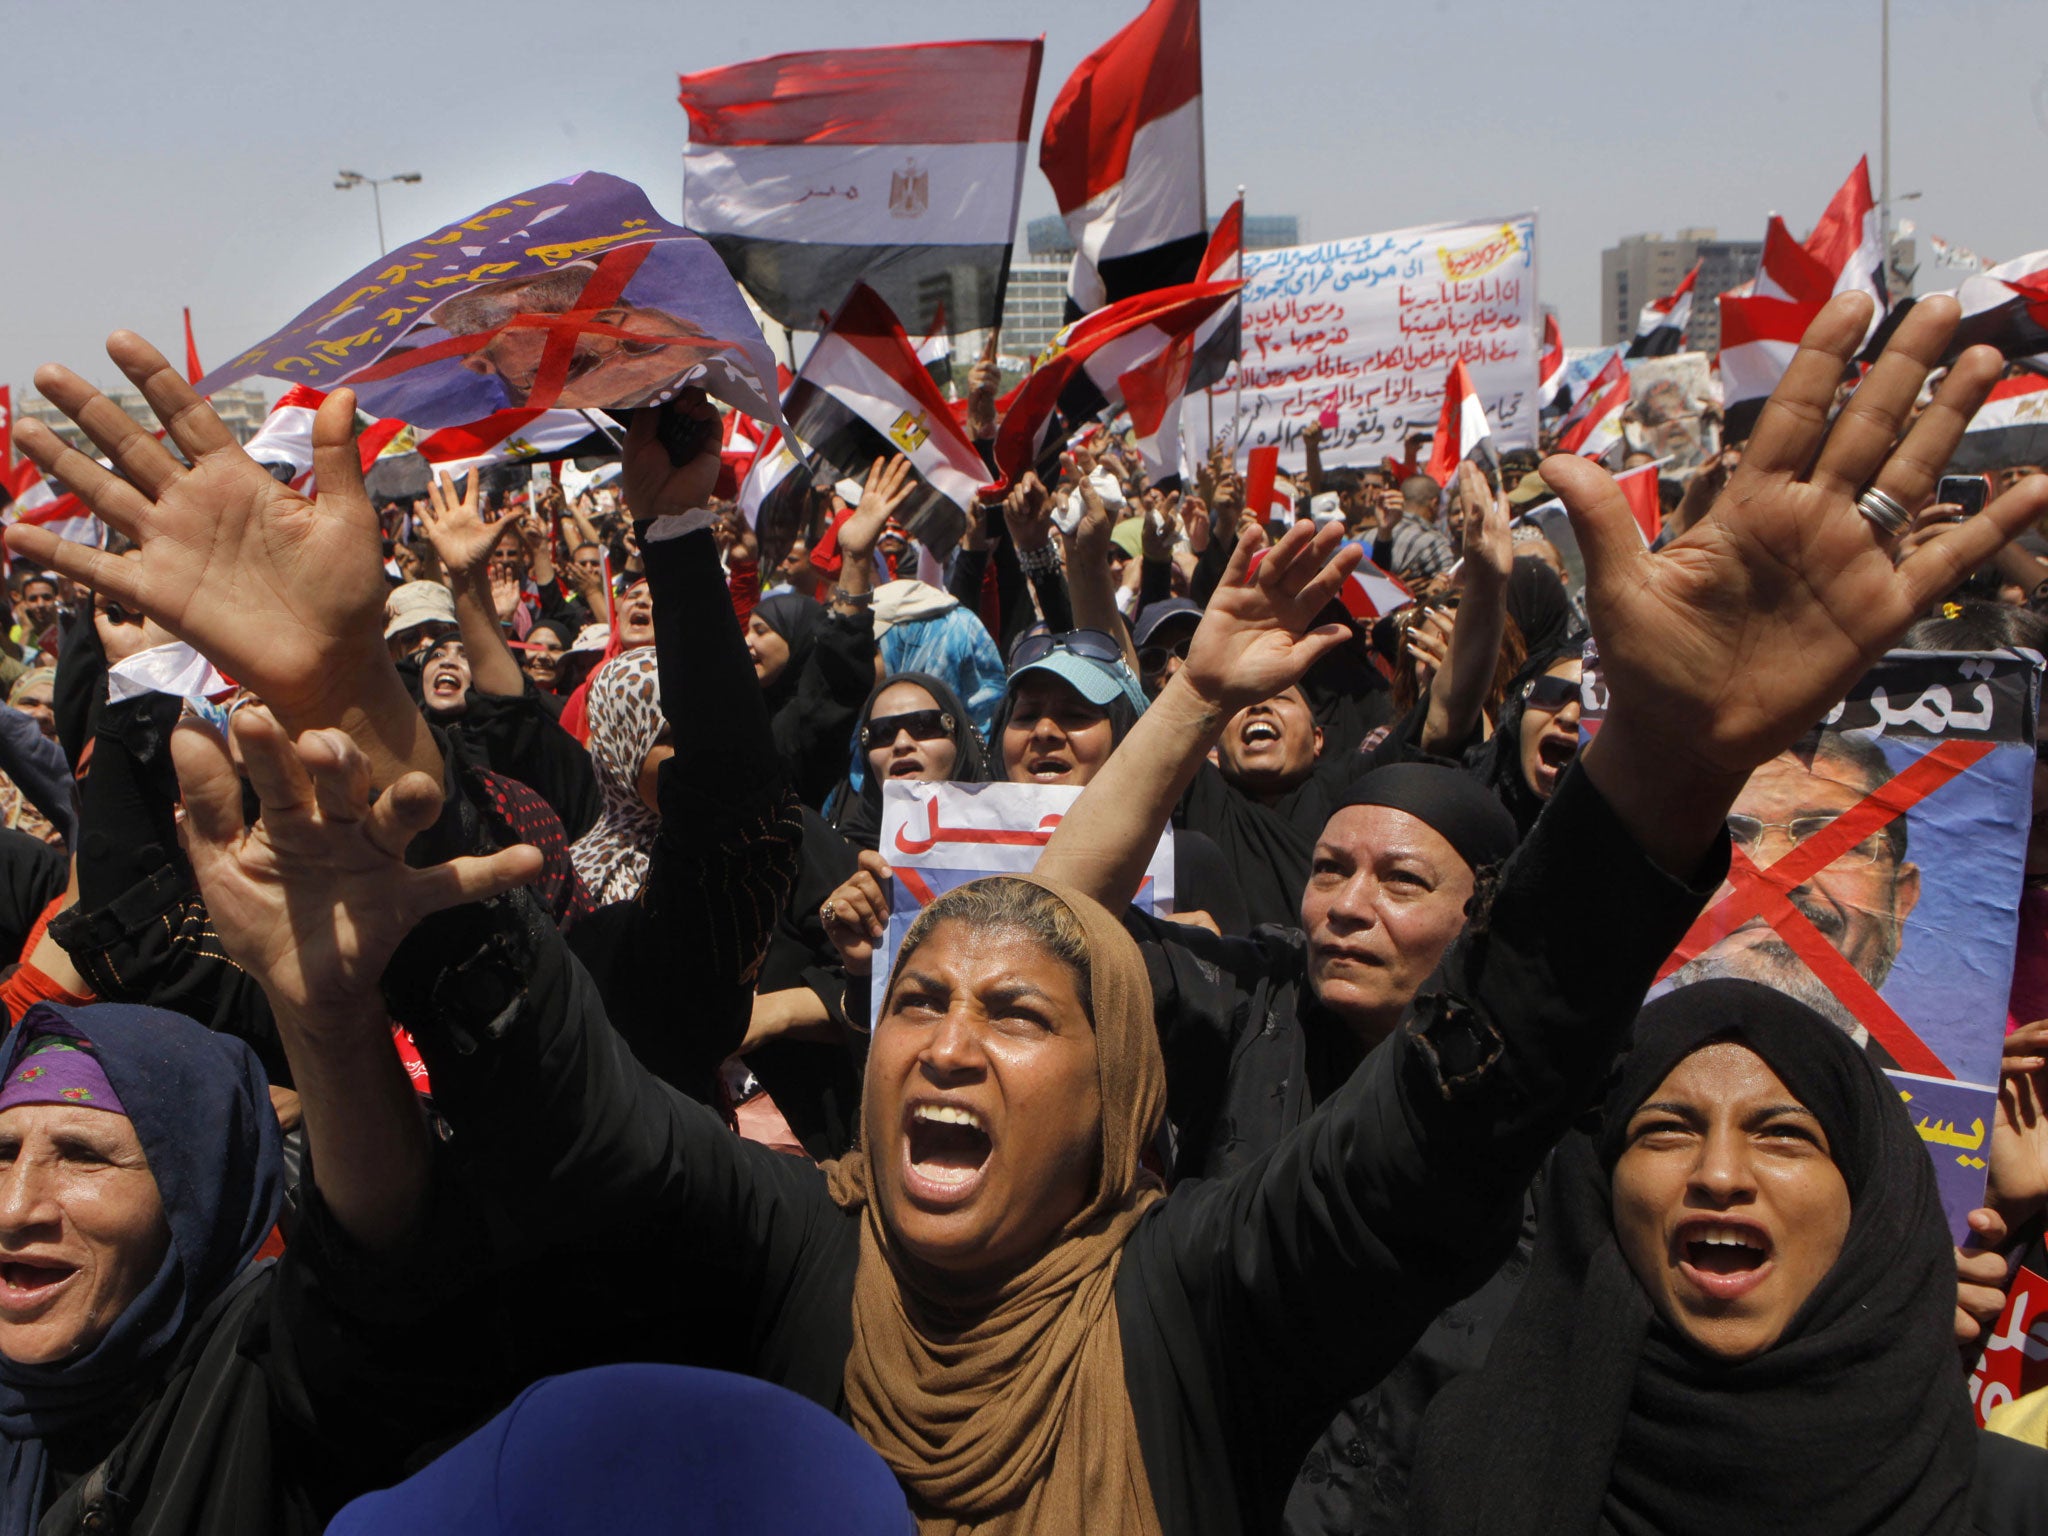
(897,167)
(1154,390)
(1660,328)
(861,395)
(1082,375)
(1123,150)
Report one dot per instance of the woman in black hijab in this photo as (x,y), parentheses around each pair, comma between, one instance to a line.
(815,666)
(1740,1312)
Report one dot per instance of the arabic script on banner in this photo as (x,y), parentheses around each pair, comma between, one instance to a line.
(1368,329)
(937,836)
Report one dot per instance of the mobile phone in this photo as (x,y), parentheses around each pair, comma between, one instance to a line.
(1965,491)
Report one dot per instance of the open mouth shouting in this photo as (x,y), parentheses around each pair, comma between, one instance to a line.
(28,1285)
(946,1149)
(1722,1259)
(1049,767)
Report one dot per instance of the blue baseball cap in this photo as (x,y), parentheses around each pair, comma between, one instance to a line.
(1098,682)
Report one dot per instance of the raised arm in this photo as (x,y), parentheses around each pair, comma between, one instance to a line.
(1720,651)
(456,528)
(282,593)
(312,901)
(1457,694)
(1254,640)
(1090,584)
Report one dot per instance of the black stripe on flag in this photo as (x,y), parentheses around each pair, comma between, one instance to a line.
(1163,266)
(843,446)
(795,281)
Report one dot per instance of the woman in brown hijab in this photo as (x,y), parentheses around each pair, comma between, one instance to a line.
(992,1291)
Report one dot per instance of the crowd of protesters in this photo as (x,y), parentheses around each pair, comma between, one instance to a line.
(441,1091)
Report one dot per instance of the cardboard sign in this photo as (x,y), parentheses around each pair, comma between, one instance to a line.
(1366,330)
(938,836)
(574,294)
(1877,878)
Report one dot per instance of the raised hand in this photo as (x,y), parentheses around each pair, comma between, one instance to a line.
(1723,648)
(654,487)
(887,488)
(856,915)
(313,900)
(1256,635)
(284,594)
(455,525)
(1488,541)
(1027,512)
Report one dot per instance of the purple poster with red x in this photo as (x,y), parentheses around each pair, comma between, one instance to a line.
(576,294)
(1876,877)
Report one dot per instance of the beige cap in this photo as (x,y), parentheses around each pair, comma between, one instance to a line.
(415,603)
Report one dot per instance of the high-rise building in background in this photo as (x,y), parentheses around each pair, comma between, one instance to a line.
(1645,267)
(241,408)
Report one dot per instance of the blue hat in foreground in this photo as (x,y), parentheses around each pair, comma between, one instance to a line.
(650,1449)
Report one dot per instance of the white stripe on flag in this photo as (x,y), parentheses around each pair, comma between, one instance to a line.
(842,371)
(1164,200)
(855,194)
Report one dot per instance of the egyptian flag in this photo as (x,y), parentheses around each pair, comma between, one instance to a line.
(6,428)
(1123,150)
(1845,241)
(1153,392)
(1462,431)
(863,395)
(1550,368)
(284,443)
(1660,328)
(1593,426)
(1081,376)
(1762,322)
(36,500)
(193,372)
(2010,428)
(1639,486)
(897,167)
(2007,307)
(1267,492)
(1219,340)
(1370,593)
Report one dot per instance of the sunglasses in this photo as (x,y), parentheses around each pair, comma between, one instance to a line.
(1091,643)
(1152,659)
(923,725)
(1550,694)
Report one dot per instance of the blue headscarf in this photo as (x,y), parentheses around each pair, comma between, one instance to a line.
(954,647)
(200,1105)
(645,1448)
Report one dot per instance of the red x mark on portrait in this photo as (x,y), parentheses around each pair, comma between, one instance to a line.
(1765,891)
(603,290)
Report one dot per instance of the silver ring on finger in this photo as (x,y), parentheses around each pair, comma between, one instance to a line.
(1884,511)
(826,911)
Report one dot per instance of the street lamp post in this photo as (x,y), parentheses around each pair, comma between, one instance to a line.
(346,179)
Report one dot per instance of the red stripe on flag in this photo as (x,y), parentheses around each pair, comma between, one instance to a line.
(927,93)
(1150,68)
(1261,466)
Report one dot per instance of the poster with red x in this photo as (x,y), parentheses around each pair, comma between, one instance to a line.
(576,294)
(942,835)
(1876,877)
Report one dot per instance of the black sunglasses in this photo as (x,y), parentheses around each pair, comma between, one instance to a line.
(923,725)
(1091,643)
(1551,694)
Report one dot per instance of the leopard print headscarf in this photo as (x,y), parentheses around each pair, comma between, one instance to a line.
(625,718)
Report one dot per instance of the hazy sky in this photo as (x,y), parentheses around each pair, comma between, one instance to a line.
(154,155)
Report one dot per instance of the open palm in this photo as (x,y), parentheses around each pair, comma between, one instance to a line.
(275,588)
(1734,640)
(1255,637)
(455,524)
